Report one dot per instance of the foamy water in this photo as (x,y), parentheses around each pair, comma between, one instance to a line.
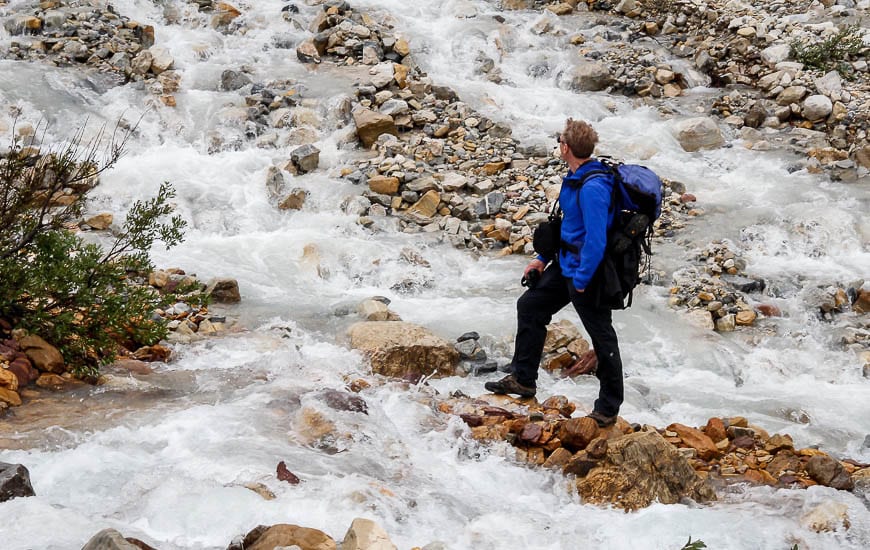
(170,466)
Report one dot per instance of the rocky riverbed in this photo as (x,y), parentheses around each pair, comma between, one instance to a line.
(433,165)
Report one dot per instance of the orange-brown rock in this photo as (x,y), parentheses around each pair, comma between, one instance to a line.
(715,430)
(561,404)
(778,443)
(498,432)
(561,361)
(759,477)
(8,379)
(10,397)
(43,355)
(641,468)
(580,464)
(288,535)
(576,433)
(784,462)
(697,440)
(152,353)
(558,458)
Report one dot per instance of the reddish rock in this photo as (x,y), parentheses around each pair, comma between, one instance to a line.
(576,433)
(715,430)
(743,442)
(597,448)
(473,420)
(286,475)
(531,434)
(697,440)
(769,310)
(22,368)
(687,197)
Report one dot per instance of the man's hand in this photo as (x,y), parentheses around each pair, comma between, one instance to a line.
(535,264)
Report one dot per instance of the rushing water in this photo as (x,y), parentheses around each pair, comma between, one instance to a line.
(165,457)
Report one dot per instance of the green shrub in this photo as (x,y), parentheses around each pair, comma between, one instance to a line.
(76,295)
(832,52)
(696,545)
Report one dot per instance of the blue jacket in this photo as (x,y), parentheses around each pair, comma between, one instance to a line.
(586,220)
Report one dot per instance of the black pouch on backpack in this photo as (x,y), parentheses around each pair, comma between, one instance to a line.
(548,235)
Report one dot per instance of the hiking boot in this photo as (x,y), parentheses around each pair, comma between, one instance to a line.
(509,384)
(602,420)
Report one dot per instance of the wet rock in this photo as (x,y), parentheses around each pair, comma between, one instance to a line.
(14,482)
(286,475)
(100,221)
(365,534)
(829,472)
(403,350)
(590,77)
(295,200)
(225,291)
(642,468)
(305,158)
(283,534)
(233,80)
(744,284)
(109,539)
(344,401)
(826,517)
(699,133)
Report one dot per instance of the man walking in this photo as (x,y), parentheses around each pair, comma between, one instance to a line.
(572,277)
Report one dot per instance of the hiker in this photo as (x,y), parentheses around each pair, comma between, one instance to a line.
(572,276)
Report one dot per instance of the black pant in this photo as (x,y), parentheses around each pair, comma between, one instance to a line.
(535,310)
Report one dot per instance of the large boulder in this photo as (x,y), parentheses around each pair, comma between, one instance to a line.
(371,124)
(43,355)
(591,76)
(403,350)
(699,133)
(225,291)
(14,482)
(283,534)
(642,468)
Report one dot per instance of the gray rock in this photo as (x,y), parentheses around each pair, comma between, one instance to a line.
(775,54)
(109,539)
(14,482)
(490,205)
(306,158)
(829,83)
(590,76)
(224,290)
(233,80)
(699,133)
(744,284)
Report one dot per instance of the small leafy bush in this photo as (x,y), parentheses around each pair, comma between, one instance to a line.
(696,545)
(832,52)
(76,295)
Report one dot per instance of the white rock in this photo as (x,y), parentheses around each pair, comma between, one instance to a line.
(829,84)
(817,107)
(161,59)
(775,54)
